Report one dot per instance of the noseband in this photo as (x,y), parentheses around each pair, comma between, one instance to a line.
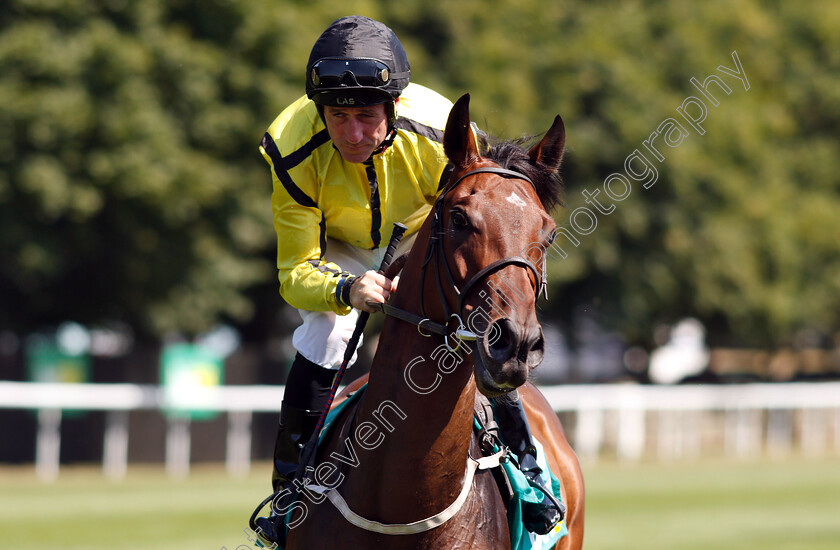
(435,250)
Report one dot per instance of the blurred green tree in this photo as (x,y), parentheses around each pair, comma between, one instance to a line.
(131,187)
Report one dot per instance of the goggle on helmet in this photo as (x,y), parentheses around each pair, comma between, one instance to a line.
(353,81)
(356,62)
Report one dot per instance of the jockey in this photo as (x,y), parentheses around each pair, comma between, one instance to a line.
(362,150)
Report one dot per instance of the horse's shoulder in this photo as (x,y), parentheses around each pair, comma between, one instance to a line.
(349,390)
(538,409)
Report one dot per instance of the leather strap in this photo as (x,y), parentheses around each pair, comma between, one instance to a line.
(414,527)
(423,325)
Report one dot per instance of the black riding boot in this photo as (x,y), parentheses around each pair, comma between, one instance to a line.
(295,429)
(539,517)
(307,388)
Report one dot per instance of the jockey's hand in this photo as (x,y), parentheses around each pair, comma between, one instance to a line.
(370,287)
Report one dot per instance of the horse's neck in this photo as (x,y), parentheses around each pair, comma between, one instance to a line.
(435,407)
(426,410)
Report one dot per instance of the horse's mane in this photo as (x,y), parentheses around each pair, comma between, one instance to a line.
(513,155)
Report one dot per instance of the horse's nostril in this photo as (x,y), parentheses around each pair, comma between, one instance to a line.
(538,345)
(503,337)
(502,340)
(505,343)
(532,349)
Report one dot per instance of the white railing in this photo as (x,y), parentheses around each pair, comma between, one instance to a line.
(630,420)
(685,421)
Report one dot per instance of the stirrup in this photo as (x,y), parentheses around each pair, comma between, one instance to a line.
(269,535)
(541,517)
(296,426)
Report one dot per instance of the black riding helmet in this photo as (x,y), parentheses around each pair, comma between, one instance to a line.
(357,62)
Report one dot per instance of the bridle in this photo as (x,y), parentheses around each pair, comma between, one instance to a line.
(435,251)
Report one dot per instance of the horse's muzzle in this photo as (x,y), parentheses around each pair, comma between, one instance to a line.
(509,351)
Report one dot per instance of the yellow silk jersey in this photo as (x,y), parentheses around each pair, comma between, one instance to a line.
(317,194)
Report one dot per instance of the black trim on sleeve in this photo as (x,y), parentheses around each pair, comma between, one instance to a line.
(375,206)
(323,225)
(282,164)
(292,160)
(409,125)
(322,267)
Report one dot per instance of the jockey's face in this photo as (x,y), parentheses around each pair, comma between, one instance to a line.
(356,131)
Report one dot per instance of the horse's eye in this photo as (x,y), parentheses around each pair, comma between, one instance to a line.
(459,219)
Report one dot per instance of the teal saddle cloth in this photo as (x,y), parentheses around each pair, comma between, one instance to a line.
(521,538)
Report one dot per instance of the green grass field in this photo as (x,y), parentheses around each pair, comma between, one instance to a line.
(707,505)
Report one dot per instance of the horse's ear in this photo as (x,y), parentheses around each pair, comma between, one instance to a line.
(549,151)
(458,139)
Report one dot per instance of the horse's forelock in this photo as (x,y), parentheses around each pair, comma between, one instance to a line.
(513,155)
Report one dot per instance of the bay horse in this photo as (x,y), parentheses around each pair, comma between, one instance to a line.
(402,451)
